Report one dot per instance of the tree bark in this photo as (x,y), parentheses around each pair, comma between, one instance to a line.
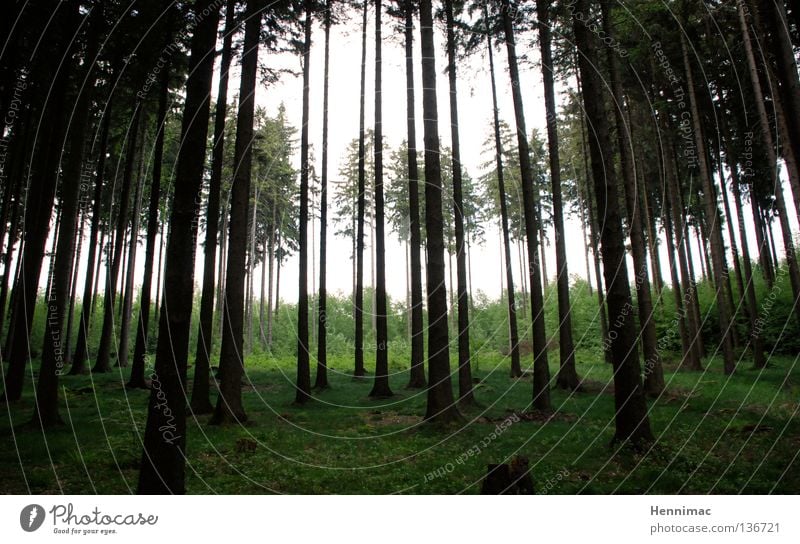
(417,375)
(229,407)
(516,368)
(632,423)
(303,385)
(567,377)
(359,296)
(380,388)
(440,403)
(465,389)
(138,379)
(321,379)
(164,458)
(541,370)
(102,363)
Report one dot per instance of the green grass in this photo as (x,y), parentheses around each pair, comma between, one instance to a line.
(715,434)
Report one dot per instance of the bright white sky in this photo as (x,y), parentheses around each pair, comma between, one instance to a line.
(475,121)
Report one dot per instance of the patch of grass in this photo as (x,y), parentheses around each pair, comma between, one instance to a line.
(715,434)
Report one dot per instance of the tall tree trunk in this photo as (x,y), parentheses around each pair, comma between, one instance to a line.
(593,228)
(52,364)
(73,285)
(231,366)
(53,62)
(380,388)
(127,301)
(465,392)
(653,372)
(688,289)
(787,105)
(567,377)
(200,402)
(687,350)
(541,370)
(749,293)
(417,375)
(164,458)
(321,379)
(516,368)
(271,257)
(138,379)
(720,268)
(783,217)
(632,423)
(440,403)
(359,296)
(303,385)
(107,336)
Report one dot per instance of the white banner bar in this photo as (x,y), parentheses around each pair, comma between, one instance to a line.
(399,519)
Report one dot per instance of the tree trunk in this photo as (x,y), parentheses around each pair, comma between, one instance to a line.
(231,369)
(107,336)
(380,388)
(127,301)
(688,289)
(749,293)
(321,379)
(516,368)
(567,377)
(593,228)
(359,296)
(465,389)
(303,385)
(783,217)
(164,458)
(41,190)
(632,423)
(138,379)
(52,364)
(653,372)
(417,375)
(200,402)
(541,370)
(440,403)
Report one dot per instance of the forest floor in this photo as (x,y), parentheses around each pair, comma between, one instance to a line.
(715,434)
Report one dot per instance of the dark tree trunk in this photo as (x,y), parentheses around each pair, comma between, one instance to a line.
(720,268)
(440,405)
(102,363)
(417,374)
(303,385)
(465,392)
(688,289)
(321,379)
(138,379)
(677,291)
(595,238)
(200,401)
(541,370)
(567,375)
(52,364)
(632,423)
(133,245)
(359,296)
(783,217)
(231,364)
(380,388)
(749,293)
(164,458)
(653,372)
(73,286)
(51,74)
